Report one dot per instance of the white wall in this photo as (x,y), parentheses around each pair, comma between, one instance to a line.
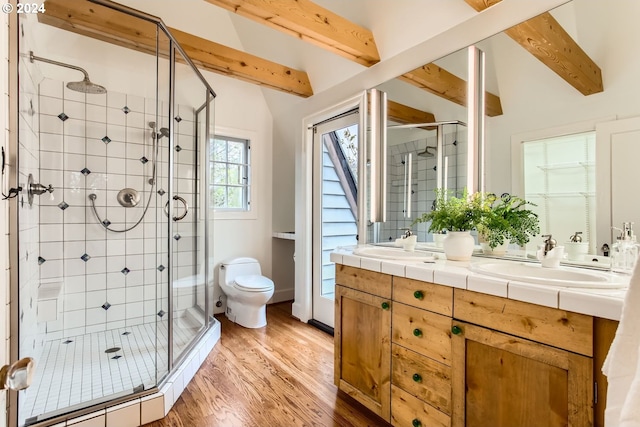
(4,209)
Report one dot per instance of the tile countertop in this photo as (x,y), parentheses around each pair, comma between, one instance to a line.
(605,303)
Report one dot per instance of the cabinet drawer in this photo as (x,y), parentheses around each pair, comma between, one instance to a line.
(422,377)
(408,411)
(364,280)
(422,331)
(425,295)
(558,328)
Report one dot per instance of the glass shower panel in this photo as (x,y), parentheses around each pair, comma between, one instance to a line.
(88,249)
(188,251)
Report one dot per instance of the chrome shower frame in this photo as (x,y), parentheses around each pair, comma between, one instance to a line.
(13,206)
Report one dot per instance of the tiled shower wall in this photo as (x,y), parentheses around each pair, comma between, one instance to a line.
(424,178)
(100,144)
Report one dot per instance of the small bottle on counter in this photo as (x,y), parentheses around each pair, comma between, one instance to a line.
(624,252)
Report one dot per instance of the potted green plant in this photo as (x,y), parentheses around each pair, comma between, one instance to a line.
(507,220)
(457,216)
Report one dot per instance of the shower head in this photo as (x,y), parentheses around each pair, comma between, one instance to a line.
(427,153)
(84,86)
(158,133)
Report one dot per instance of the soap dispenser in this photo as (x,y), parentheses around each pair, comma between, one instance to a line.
(624,252)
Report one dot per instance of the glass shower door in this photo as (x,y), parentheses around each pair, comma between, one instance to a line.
(189,278)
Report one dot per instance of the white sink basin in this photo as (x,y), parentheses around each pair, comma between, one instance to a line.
(561,276)
(392,253)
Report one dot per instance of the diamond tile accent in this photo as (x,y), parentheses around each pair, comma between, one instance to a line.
(85,257)
(161,267)
(178,148)
(85,171)
(67,342)
(161,192)
(63,205)
(178,119)
(143,160)
(126,333)
(161,313)
(106,222)
(177,237)
(63,116)
(116,357)
(125,271)
(106,139)
(106,305)
(126,109)
(41,260)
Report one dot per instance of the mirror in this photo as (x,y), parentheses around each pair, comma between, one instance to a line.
(558,148)
(538,104)
(425,153)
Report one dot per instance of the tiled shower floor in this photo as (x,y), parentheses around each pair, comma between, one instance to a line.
(77,370)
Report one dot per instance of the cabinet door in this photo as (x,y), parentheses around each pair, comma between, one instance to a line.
(363,349)
(502,381)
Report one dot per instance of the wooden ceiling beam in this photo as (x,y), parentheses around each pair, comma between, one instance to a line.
(102,23)
(545,39)
(405,115)
(440,82)
(307,21)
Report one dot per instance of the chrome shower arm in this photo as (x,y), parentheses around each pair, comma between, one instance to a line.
(33,58)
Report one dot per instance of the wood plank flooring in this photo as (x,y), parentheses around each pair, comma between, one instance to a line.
(278,376)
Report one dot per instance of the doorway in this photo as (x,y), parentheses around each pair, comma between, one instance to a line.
(335,207)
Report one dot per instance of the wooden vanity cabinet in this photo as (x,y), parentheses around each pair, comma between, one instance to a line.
(421,354)
(520,364)
(362,337)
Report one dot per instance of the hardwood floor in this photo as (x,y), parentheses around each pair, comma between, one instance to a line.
(278,376)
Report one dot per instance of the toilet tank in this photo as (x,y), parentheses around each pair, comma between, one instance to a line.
(232,268)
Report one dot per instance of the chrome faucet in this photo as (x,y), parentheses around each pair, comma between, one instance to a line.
(549,243)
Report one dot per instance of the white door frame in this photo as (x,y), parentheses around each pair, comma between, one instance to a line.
(604,203)
(323,307)
(302,306)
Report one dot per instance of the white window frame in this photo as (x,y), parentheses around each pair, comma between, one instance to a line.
(252,208)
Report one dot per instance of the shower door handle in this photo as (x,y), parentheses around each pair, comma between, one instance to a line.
(186,208)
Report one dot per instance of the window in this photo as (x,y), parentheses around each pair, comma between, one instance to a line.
(230,174)
(559,177)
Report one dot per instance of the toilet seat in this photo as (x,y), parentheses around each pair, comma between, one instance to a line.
(253,283)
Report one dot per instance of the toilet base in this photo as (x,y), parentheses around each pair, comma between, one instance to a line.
(247,316)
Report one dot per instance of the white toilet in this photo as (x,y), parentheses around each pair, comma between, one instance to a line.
(247,291)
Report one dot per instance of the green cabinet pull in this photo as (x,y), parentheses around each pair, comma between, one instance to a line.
(418,294)
(417,378)
(385,305)
(417,332)
(456,330)
(416,423)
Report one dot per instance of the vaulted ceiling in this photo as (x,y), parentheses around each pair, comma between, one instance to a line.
(302,47)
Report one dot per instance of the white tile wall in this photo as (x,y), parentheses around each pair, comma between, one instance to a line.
(424,178)
(109,138)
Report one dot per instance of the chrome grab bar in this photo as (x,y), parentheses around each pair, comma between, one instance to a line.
(186,208)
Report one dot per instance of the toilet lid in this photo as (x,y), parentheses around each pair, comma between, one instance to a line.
(253,283)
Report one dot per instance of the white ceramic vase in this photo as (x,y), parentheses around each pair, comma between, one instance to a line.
(458,245)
